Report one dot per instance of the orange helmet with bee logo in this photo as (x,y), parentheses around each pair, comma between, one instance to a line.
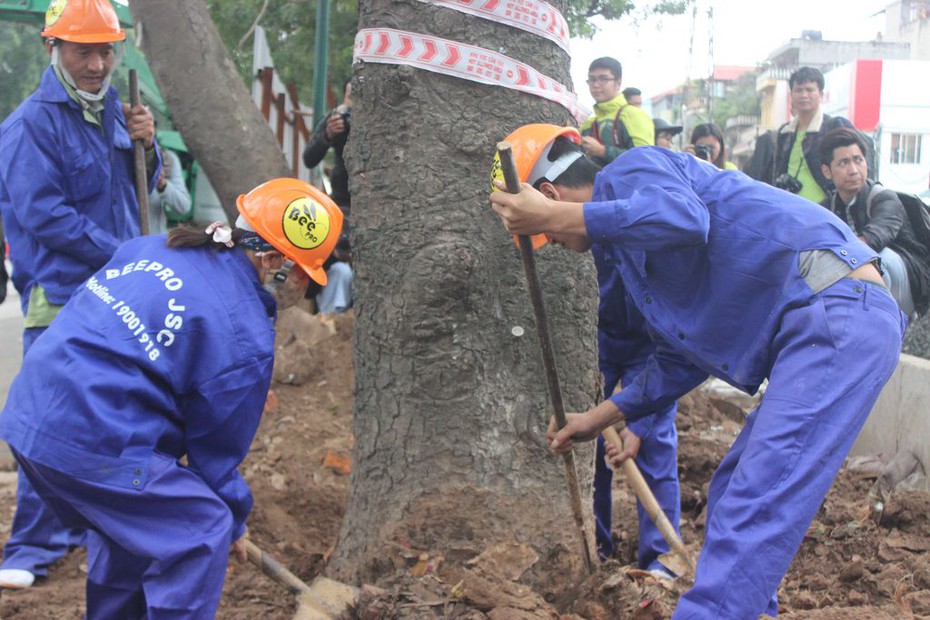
(531,146)
(297,219)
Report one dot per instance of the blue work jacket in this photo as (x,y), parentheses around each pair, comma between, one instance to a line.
(67,194)
(711,260)
(163,350)
(623,341)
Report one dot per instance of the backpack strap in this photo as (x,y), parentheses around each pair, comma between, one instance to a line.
(775,153)
(619,138)
(875,191)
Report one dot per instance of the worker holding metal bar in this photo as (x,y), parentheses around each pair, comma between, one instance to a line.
(67,199)
(744,282)
(543,156)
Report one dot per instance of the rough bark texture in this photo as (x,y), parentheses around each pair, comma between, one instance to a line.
(451,407)
(210,105)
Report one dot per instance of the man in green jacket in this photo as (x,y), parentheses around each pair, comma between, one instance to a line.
(616,125)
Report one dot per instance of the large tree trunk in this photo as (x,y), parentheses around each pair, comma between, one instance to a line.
(451,406)
(209,104)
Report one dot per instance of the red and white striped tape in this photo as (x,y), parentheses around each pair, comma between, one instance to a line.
(386,45)
(535,16)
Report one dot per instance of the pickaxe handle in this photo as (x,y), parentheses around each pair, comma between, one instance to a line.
(512,180)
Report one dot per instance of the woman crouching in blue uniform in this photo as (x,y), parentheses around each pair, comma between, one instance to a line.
(166,352)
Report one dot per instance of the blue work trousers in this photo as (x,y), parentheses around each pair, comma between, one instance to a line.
(157,553)
(658,461)
(37,537)
(831,359)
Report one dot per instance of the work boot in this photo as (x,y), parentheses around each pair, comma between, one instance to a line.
(16,578)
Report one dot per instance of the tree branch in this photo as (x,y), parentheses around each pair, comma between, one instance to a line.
(251,29)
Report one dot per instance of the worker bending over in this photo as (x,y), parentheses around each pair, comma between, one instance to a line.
(545,157)
(744,282)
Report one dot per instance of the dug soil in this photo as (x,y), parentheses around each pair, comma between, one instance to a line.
(852,564)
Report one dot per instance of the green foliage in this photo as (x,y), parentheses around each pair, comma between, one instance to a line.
(22,59)
(290,27)
(580,12)
(741,99)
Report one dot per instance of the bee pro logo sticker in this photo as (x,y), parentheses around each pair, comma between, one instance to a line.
(55,9)
(306,223)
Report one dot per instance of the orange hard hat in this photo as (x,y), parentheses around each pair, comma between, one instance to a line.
(531,145)
(297,219)
(82,21)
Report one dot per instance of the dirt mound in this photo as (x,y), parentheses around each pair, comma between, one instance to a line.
(851,565)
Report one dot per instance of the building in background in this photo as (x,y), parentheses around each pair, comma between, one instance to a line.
(878,85)
(811,51)
(907,21)
(880,98)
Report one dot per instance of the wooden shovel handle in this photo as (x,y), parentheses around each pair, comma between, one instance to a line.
(648,500)
(274,569)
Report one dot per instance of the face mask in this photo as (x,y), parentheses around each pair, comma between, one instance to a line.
(286,285)
(92,100)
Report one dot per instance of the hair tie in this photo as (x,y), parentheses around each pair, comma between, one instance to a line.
(221,232)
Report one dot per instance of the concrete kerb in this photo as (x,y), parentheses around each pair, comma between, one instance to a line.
(900,420)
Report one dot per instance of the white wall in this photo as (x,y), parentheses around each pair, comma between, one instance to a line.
(905,109)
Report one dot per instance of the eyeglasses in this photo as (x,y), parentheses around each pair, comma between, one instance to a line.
(600,79)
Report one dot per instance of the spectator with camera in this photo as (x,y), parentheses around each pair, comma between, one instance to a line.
(797,166)
(616,126)
(707,144)
(878,218)
(332,133)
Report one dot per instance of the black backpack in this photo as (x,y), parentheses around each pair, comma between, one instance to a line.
(918,213)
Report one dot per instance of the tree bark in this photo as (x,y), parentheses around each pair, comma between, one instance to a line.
(209,104)
(451,406)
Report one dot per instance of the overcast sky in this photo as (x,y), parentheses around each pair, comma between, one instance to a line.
(655,55)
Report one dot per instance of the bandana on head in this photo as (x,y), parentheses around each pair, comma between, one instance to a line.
(255,243)
(251,239)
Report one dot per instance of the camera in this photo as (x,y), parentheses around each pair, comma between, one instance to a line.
(788,183)
(702,151)
(345,112)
